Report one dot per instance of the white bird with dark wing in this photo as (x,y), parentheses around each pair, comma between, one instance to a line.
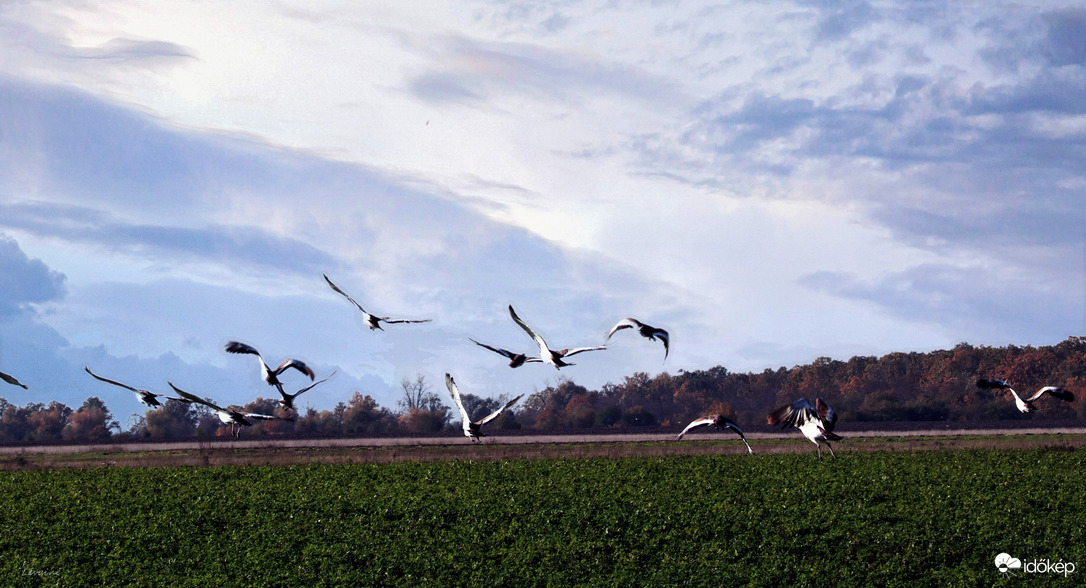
(11,380)
(546,354)
(269,375)
(1026,405)
(148,398)
(718,421)
(515,359)
(473,429)
(815,422)
(373,321)
(648,331)
(235,418)
(287,400)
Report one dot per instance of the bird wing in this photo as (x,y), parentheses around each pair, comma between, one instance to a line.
(829,435)
(265,417)
(736,428)
(990,383)
(826,414)
(296,364)
(505,352)
(309,387)
(455,393)
(396,321)
(628,323)
(543,349)
(345,295)
(663,336)
(1053,390)
(181,400)
(576,350)
(108,381)
(238,347)
(695,424)
(12,380)
(495,414)
(509,354)
(795,414)
(197,399)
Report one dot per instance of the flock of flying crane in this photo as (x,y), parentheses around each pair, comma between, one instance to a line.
(815,421)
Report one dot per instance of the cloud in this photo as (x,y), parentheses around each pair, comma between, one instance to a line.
(1051,91)
(973,154)
(124,49)
(1030,39)
(464,68)
(840,20)
(44,41)
(241,247)
(1065,41)
(442,87)
(26,280)
(962,298)
(58,143)
(233,246)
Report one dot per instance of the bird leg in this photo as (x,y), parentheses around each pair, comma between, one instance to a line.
(831,450)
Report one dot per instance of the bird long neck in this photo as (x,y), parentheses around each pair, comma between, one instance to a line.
(265,371)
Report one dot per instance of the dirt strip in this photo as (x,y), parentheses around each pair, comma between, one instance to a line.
(270,442)
(266,451)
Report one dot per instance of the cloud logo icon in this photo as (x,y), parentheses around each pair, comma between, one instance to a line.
(1005,562)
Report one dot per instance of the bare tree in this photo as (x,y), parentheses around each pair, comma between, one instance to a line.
(418,395)
(421,409)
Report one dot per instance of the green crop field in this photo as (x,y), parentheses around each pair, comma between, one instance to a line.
(866,518)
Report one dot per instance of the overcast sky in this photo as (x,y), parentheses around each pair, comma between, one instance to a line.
(770,183)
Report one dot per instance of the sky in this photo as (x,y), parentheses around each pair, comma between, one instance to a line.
(770,182)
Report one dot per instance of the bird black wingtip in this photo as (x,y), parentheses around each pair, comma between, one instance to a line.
(1061,393)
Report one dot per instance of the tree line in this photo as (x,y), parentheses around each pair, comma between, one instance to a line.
(934,386)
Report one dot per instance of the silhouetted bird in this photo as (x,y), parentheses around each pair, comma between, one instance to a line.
(718,421)
(228,416)
(515,359)
(815,422)
(648,331)
(473,429)
(269,375)
(1027,404)
(287,401)
(371,320)
(546,354)
(145,397)
(11,380)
